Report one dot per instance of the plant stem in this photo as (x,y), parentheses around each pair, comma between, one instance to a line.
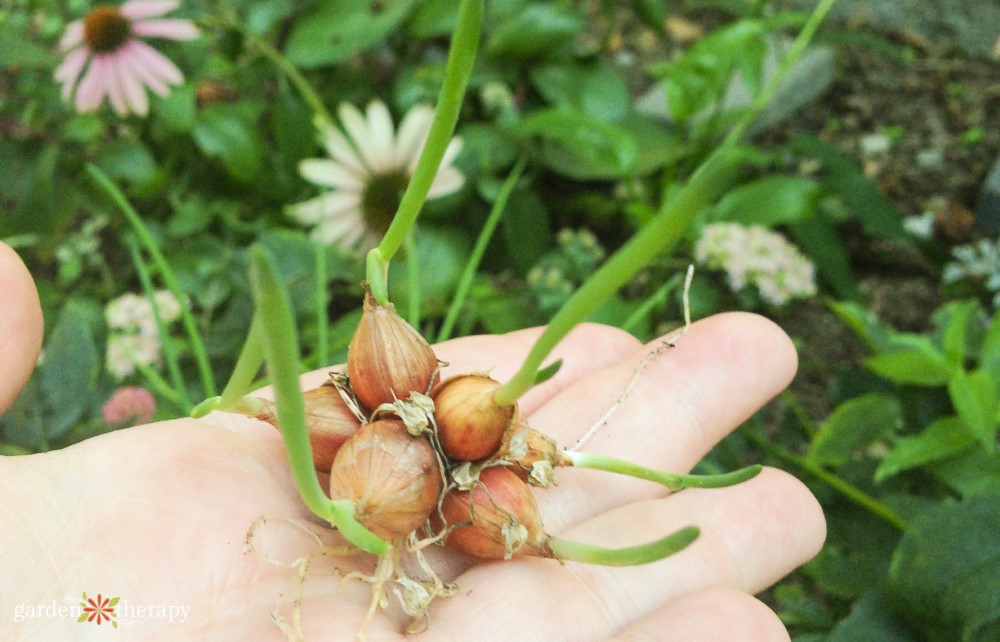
(247,366)
(281,351)
(322,302)
(631,556)
(660,234)
(321,117)
(673,481)
(848,490)
(412,279)
(461,57)
(646,307)
(469,273)
(169,353)
(794,53)
(342,511)
(144,236)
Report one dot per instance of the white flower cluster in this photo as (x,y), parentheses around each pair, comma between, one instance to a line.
(133,337)
(976,262)
(756,256)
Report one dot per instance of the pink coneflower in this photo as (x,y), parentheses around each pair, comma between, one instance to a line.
(121,66)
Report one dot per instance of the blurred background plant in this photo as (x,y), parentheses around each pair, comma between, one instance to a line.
(580,120)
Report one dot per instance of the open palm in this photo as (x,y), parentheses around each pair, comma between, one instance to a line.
(158,515)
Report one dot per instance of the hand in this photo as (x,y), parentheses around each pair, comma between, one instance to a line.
(158,515)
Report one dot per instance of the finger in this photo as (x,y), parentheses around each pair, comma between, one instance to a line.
(751,535)
(20,325)
(684,402)
(712,615)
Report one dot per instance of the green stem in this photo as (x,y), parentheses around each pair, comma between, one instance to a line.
(469,273)
(646,307)
(673,481)
(247,366)
(321,117)
(162,388)
(169,352)
(281,351)
(851,492)
(660,234)
(342,512)
(144,236)
(322,302)
(794,53)
(791,401)
(461,57)
(412,279)
(631,556)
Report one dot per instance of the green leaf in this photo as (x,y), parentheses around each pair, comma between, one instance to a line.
(537,29)
(945,574)
(769,201)
(915,361)
(548,371)
(178,110)
(580,147)
(17,50)
(71,369)
(954,319)
(863,323)
(944,438)
(525,226)
(989,355)
(975,398)
(336,31)
(128,160)
(698,79)
(652,12)
(594,89)
(875,211)
(819,239)
(852,425)
(223,132)
(975,473)
(871,618)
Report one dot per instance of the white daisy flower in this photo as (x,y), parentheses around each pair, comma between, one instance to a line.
(369,167)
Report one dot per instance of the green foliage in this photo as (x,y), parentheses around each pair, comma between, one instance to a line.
(922,564)
(910,443)
(945,574)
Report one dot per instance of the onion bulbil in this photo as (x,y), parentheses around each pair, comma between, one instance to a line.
(392,477)
(470,424)
(387,359)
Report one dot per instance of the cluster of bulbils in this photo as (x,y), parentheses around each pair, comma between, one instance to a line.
(418,454)
(423,461)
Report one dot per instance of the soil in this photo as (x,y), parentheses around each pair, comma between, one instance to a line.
(931,115)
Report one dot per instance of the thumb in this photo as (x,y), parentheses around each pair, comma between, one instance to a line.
(20,325)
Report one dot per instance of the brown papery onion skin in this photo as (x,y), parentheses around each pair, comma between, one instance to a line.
(392,477)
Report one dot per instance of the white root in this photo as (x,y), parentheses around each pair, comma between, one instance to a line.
(664,345)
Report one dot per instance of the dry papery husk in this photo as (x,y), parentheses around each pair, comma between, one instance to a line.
(387,359)
(531,454)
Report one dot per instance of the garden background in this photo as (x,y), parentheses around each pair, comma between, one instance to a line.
(865,222)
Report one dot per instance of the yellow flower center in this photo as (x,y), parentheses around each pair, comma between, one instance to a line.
(380,199)
(105,29)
